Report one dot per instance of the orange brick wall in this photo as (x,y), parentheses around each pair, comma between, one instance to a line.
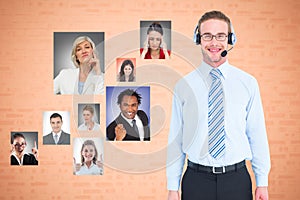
(268,47)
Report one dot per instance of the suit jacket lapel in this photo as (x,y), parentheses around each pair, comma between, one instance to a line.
(61,138)
(129,129)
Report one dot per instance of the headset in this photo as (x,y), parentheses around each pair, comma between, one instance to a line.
(231,36)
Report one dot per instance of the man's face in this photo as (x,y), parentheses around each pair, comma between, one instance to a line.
(56,124)
(129,106)
(19,144)
(212,50)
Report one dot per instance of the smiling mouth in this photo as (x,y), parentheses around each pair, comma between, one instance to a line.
(214,50)
(89,156)
(130,114)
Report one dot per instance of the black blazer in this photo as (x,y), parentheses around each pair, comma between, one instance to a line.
(131,134)
(63,139)
(28,159)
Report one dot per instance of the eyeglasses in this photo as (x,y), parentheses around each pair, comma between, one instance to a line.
(19,145)
(219,37)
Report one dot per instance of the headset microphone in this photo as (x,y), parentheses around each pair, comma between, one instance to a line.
(231,39)
(224,53)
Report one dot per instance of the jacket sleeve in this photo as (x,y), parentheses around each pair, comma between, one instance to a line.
(110,131)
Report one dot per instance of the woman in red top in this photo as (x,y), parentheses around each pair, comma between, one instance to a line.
(154,46)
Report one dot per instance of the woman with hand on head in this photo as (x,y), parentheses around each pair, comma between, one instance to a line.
(154,46)
(126,73)
(87,77)
(89,122)
(89,163)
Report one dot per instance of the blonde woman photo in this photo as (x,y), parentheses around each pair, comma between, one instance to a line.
(86,77)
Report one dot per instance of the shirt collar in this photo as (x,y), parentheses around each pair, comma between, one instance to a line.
(22,158)
(14,153)
(206,68)
(129,120)
(58,134)
(87,166)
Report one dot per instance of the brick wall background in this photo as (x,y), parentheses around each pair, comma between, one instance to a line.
(268,47)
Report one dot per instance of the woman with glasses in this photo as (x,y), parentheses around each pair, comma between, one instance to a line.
(18,156)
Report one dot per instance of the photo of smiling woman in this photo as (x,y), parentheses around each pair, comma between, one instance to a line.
(24,149)
(86,78)
(157,41)
(91,156)
(126,73)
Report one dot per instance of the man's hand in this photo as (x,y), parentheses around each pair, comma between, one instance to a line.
(120,132)
(173,195)
(261,193)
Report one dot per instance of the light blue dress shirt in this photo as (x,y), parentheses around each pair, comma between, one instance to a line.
(80,87)
(245,132)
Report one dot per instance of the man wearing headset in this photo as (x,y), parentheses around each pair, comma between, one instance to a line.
(217,123)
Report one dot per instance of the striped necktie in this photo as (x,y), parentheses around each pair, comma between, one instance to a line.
(216,133)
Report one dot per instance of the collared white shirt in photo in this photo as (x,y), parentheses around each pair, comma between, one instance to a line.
(22,158)
(83,127)
(139,124)
(245,131)
(92,170)
(58,136)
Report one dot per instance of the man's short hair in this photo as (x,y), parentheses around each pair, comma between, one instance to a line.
(16,135)
(129,92)
(214,15)
(55,115)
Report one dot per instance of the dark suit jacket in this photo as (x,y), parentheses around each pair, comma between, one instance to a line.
(28,159)
(63,139)
(131,134)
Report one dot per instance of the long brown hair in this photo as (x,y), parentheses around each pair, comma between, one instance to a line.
(92,143)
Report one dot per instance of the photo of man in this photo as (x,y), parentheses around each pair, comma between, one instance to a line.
(57,135)
(131,123)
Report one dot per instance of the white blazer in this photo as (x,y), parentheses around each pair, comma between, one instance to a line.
(66,82)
